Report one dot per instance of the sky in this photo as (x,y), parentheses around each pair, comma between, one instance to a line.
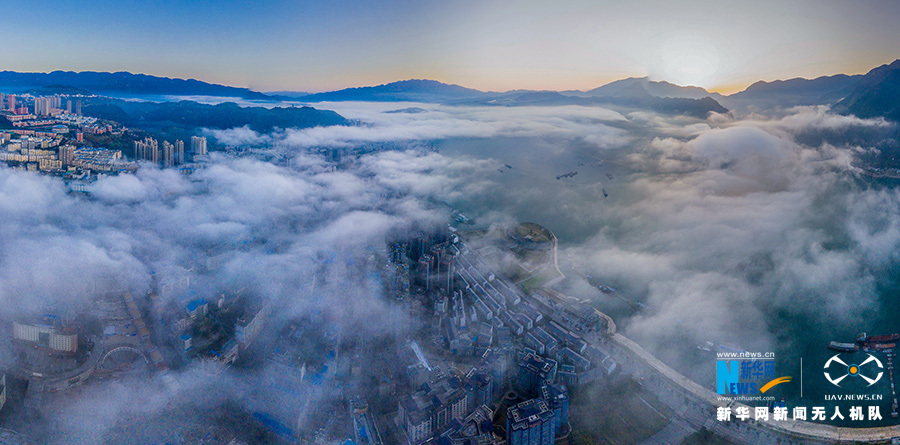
(497,46)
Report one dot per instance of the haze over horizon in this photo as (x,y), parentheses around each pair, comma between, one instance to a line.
(497,47)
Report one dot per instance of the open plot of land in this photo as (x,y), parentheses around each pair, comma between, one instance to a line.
(539,280)
(620,412)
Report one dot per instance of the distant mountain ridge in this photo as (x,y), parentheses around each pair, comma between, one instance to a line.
(876,94)
(824,90)
(652,87)
(798,85)
(632,97)
(869,95)
(632,94)
(122,82)
(287,93)
(412,90)
(189,114)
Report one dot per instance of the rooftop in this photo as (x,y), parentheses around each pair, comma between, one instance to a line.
(538,365)
(528,413)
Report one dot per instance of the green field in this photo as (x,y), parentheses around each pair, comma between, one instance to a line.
(539,280)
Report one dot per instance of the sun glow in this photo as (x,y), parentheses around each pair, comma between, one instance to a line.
(689,60)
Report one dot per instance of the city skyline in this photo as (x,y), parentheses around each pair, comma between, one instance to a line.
(496,47)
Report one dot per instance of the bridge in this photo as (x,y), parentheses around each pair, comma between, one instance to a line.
(106,356)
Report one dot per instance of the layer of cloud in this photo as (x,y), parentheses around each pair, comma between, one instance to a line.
(594,125)
(301,237)
(718,226)
(724,230)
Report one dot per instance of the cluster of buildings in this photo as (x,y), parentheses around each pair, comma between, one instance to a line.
(52,353)
(49,106)
(545,415)
(48,152)
(453,408)
(168,155)
(220,331)
(47,334)
(46,112)
(44,128)
(447,404)
(499,339)
(198,145)
(40,105)
(440,401)
(44,134)
(37,151)
(96,159)
(488,310)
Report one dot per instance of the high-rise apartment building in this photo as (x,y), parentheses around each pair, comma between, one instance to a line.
(43,105)
(198,145)
(530,423)
(179,152)
(534,372)
(148,150)
(168,154)
(67,154)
